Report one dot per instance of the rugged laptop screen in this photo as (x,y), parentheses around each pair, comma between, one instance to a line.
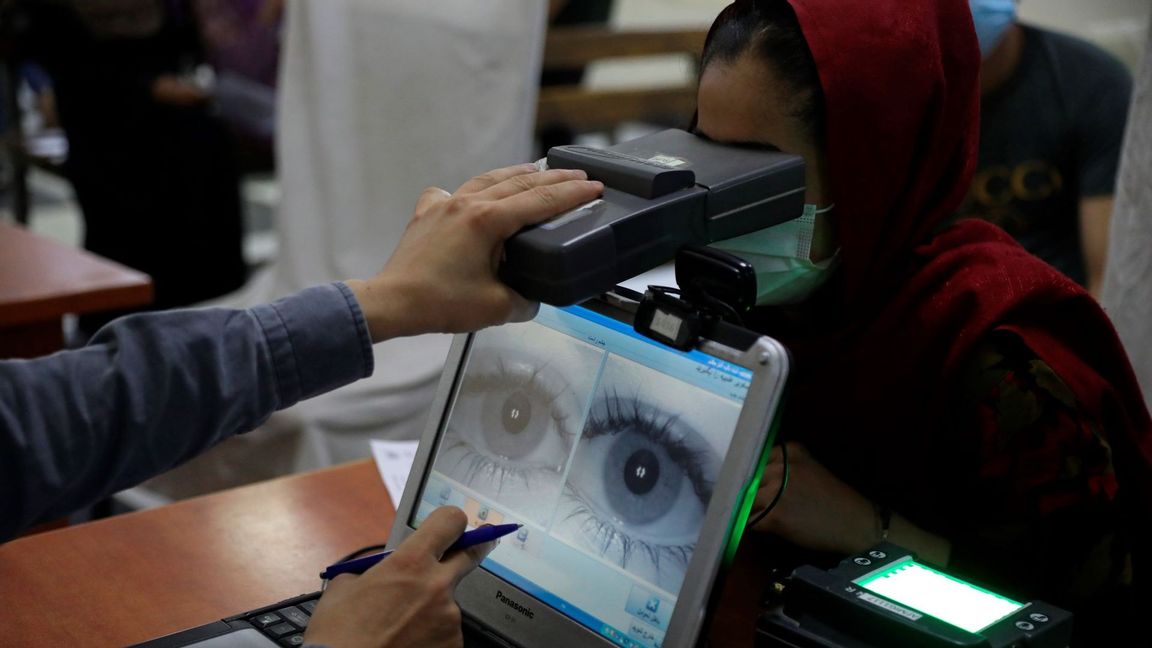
(605,445)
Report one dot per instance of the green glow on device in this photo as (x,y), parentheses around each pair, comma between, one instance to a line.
(939,595)
(743,512)
(744,507)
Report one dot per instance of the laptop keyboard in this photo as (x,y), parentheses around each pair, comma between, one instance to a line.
(285,624)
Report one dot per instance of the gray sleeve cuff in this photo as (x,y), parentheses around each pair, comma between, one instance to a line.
(318,341)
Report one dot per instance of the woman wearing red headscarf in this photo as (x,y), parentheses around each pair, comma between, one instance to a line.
(950,392)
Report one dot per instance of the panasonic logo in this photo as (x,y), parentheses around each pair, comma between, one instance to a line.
(526,611)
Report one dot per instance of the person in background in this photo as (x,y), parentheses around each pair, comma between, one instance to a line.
(242,43)
(1052,124)
(35,103)
(242,36)
(950,392)
(151,390)
(43,97)
(151,168)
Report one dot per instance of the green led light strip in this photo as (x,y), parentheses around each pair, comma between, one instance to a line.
(744,506)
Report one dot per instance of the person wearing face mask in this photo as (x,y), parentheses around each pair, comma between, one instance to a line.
(951,393)
(787,267)
(1053,117)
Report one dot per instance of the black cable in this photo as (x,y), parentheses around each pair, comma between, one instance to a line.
(718,305)
(361,550)
(723,307)
(354,554)
(779,493)
(666,290)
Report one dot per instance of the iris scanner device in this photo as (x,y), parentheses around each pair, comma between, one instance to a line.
(885,598)
(661,192)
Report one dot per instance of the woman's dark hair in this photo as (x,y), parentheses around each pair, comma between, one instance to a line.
(770,29)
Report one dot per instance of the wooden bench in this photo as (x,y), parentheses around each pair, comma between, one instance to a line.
(585,110)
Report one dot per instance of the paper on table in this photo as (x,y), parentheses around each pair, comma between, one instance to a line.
(394,461)
(663,275)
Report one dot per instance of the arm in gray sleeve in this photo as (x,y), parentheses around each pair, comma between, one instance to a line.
(153,390)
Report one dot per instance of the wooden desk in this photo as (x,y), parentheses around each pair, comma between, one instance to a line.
(42,280)
(133,577)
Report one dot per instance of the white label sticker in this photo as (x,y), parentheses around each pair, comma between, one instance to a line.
(890,606)
(666,324)
(592,208)
(667,161)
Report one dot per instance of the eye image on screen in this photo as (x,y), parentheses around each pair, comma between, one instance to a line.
(518,411)
(643,472)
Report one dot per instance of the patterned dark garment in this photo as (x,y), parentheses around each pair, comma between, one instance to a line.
(111,19)
(1045,470)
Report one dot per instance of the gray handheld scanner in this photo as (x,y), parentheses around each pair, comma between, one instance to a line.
(661,192)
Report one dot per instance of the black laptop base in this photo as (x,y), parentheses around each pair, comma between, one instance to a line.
(283,624)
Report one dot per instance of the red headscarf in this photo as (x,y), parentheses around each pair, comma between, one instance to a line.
(878,360)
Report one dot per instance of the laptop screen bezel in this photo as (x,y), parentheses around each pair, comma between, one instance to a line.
(476,595)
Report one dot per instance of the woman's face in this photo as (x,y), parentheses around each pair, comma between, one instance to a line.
(744,102)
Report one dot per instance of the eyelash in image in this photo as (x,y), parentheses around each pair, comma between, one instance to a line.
(511,431)
(639,487)
(481,458)
(609,539)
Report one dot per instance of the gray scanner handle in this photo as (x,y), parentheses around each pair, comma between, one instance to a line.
(628,173)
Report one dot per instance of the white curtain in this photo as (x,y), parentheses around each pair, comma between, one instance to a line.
(378,100)
(1127,291)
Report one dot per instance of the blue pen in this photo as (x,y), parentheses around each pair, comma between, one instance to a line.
(468,539)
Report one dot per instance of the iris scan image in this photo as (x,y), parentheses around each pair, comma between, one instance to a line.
(643,472)
(518,411)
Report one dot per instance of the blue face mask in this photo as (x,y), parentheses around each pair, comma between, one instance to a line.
(992,18)
(780,257)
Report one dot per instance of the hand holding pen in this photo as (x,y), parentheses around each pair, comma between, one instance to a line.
(407,602)
(468,539)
